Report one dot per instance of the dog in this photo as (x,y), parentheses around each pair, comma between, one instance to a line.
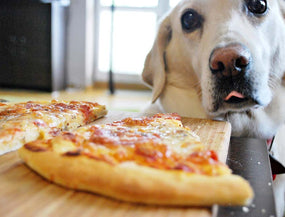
(224,59)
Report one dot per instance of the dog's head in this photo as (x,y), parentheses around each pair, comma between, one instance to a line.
(231,51)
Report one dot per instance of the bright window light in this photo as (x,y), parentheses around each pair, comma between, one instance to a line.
(131,3)
(133,37)
(173,3)
(134,28)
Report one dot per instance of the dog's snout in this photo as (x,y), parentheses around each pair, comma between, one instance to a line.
(230,60)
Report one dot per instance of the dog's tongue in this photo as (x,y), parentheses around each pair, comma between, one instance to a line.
(235,94)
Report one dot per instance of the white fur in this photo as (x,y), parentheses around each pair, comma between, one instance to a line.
(177,68)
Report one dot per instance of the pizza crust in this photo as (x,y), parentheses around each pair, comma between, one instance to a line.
(140,184)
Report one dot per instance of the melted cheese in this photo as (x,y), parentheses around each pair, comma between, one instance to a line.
(160,142)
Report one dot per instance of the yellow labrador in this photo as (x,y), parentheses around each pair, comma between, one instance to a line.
(223,59)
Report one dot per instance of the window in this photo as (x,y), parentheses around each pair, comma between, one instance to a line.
(173,3)
(125,35)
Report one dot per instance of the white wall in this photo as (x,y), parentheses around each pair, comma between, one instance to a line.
(80,43)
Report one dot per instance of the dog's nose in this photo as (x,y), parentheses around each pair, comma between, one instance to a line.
(230,60)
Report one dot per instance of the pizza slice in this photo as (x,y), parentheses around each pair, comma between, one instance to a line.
(24,122)
(150,160)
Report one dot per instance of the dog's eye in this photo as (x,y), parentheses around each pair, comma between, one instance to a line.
(191,20)
(257,6)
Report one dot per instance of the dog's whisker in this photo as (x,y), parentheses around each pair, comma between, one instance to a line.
(274,81)
(197,86)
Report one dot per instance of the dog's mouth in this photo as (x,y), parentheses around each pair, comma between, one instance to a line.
(235,101)
(235,97)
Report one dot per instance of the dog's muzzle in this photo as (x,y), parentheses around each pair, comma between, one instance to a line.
(230,66)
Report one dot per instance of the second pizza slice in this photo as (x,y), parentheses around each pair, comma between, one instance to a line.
(24,122)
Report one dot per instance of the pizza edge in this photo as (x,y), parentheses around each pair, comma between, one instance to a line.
(140,184)
(99,112)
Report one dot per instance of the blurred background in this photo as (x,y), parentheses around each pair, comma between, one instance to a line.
(61,48)
(54,44)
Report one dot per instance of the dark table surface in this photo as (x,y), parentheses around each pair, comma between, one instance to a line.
(249,158)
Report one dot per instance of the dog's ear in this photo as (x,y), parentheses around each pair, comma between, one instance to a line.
(155,66)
